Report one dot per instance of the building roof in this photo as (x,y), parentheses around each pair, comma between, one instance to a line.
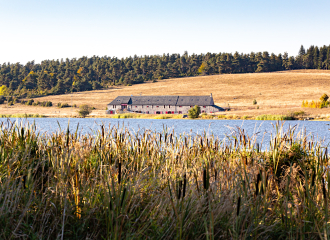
(195,100)
(164,100)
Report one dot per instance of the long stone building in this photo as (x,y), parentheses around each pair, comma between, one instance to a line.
(162,104)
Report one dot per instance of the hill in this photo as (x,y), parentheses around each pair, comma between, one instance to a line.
(275,93)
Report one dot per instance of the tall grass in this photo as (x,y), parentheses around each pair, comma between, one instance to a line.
(21,116)
(117,184)
(274,117)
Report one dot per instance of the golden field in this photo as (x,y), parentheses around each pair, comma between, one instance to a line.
(276,93)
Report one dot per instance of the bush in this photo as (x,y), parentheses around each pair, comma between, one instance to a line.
(84,110)
(29,102)
(2,99)
(63,105)
(324,98)
(10,103)
(48,104)
(194,112)
(254,102)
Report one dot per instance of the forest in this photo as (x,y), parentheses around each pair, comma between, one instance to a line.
(51,77)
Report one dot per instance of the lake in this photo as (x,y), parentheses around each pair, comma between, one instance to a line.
(319,130)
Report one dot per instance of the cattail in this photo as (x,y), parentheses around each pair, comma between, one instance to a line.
(258,149)
(205,179)
(179,189)
(326,154)
(184,185)
(102,129)
(257,184)
(119,172)
(313,179)
(238,205)
(123,197)
(324,191)
(67,137)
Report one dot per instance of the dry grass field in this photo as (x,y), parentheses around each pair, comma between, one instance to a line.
(276,93)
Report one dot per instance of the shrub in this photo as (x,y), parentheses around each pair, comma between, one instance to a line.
(2,99)
(254,102)
(10,103)
(84,110)
(324,98)
(48,104)
(29,102)
(63,105)
(194,112)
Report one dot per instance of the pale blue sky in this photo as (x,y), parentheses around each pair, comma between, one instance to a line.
(44,29)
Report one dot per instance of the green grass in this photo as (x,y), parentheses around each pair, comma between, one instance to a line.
(273,117)
(117,184)
(21,116)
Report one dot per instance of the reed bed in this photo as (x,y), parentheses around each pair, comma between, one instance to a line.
(274,117)
(21,116)
(119,184)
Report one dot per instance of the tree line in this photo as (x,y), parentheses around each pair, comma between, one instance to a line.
(83,74)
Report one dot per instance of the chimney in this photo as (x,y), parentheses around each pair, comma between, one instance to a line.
(211,94)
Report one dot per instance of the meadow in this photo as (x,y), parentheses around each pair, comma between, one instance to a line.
(118,184)
(276,93)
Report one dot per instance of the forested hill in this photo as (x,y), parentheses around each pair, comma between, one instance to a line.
(59,76)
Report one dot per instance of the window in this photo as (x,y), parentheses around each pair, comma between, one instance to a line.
(204,106)
(157,106)
(169,106)
(136,106)
(180,112)
(180,106)
(164,106)
(190,106)
(147,106)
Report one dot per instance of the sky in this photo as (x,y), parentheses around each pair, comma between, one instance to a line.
(44,29)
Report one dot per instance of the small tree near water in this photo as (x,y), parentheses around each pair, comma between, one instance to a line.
(194,112)
(84,110)
(324,98)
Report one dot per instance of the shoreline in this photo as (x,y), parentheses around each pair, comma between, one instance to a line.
(173,117)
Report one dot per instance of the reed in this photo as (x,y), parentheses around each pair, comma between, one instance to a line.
(119,184)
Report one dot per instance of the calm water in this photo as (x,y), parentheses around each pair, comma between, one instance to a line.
(219,128)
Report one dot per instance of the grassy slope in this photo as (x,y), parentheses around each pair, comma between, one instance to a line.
(276,93)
